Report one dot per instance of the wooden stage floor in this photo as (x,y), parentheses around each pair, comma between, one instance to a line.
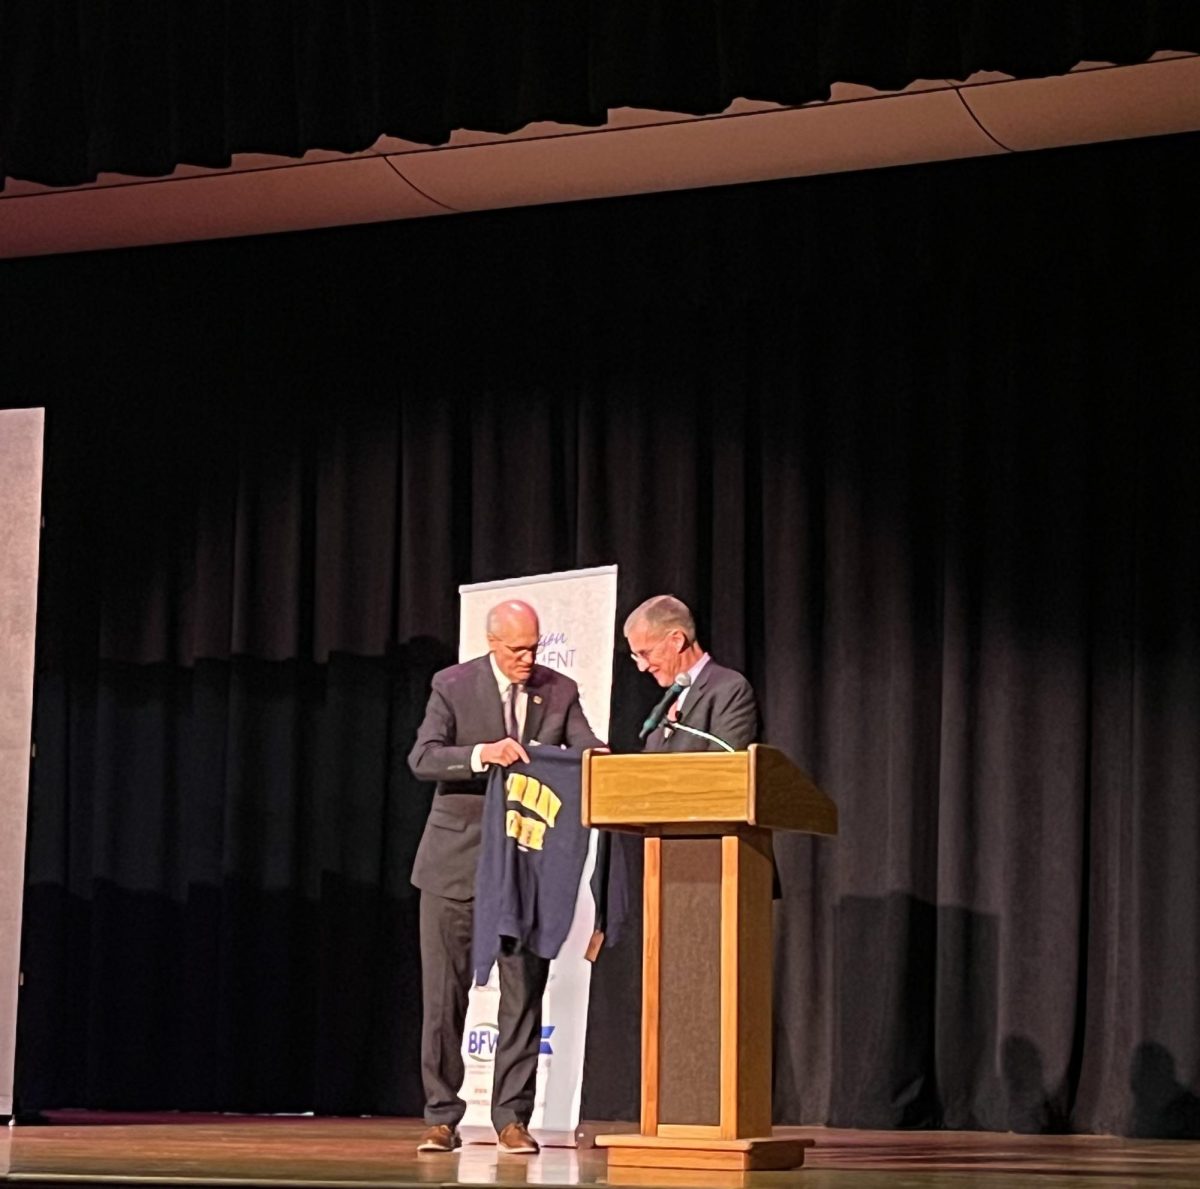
(220,1150)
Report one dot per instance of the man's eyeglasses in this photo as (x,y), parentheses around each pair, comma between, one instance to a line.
(644,654)
(641,656)
(529,650)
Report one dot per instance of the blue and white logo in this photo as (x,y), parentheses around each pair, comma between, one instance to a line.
(544,1049)
(481,1042)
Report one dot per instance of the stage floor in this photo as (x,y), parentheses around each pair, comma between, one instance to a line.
(218,1150)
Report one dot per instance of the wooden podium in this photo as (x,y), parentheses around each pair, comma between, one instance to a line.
(707,819)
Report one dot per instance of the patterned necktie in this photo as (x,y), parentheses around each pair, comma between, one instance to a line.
(510,713)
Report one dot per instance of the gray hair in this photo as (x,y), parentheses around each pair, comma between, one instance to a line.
(662,614)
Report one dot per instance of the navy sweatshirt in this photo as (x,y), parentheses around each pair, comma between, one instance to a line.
(531,856)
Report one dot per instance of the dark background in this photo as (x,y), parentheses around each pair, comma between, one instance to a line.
(919,446)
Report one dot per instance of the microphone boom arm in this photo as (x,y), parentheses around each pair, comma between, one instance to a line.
(681,726)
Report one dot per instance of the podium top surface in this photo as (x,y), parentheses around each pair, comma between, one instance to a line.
(689,792)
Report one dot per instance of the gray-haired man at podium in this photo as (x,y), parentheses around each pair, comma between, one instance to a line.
(701,696)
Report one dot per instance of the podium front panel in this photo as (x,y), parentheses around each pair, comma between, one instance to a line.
(689,996)
(706,1011)
(666,789)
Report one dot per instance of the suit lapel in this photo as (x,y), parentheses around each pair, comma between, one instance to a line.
(687,711)
(535,707)
(489,698)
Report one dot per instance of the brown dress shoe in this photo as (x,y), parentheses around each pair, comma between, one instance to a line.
(440,1138)
(515,1140)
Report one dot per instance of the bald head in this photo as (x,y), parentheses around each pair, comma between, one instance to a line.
(511,613)
(513,632)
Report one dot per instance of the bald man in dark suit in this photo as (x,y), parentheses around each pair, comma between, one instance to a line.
(481,714)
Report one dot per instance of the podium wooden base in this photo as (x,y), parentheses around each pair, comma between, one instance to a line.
(734,1155)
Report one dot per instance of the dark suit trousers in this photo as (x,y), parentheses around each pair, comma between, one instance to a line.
(445,984)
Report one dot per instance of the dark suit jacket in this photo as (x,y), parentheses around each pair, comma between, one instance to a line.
(465,709)
(720,702)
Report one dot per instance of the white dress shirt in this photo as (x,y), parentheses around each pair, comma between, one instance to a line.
(502,684)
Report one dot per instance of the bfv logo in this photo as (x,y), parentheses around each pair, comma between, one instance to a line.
(481,1042)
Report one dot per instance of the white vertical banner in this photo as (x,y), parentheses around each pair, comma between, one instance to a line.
(20,532)
(577,611)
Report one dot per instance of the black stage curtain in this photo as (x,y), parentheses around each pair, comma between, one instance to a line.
(139,88)
(921,448)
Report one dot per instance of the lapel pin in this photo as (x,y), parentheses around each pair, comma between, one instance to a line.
(537,699)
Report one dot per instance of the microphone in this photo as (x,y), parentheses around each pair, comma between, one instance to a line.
(664,704)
